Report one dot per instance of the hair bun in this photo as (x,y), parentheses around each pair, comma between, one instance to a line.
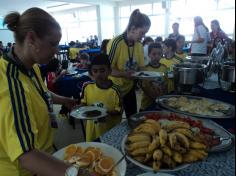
(11,20)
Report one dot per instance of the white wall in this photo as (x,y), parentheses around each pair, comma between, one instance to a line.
(6,36)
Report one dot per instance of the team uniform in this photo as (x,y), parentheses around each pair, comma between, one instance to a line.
(169,63)
(106,98)
(182,56)
(24,117)
(146,100)
(73,53)
(124,57)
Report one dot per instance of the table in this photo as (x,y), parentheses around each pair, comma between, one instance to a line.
(217,164)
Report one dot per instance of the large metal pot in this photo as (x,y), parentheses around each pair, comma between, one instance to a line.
(189,73)
(228,72)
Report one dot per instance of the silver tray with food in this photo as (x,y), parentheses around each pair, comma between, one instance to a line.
(148,75)
(88,113)
(164,141)
(197,106)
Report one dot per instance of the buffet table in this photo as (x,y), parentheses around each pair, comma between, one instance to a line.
(217,164)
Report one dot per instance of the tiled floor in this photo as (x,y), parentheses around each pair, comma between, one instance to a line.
(65,134)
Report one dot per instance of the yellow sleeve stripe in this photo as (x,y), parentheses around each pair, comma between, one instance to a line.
(84,87)
(119,95)
(20,111)
(114,47)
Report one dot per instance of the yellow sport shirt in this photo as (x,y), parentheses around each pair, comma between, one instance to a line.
(73,53)
(24,120)
(106,98)
(117,49)
(146,100)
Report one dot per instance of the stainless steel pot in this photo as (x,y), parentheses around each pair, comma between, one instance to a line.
(189,73)
(228,72)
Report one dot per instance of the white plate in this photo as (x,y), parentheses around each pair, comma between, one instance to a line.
(148,75)
(71,72)
(148,168)
(106,150)
(153,174)
(78,113)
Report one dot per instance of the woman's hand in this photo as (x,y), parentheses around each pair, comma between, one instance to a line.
(69,103)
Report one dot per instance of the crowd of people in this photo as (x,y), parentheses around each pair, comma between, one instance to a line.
(27,117)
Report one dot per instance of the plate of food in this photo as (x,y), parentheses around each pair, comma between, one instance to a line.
(163,141)
(88,112)
(96,158)
(148,75)
(71,72)
(197,106)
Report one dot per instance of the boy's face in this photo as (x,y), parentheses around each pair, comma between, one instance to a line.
(100,73)
(166,50)
(180,43)
(84,61)
(155,55)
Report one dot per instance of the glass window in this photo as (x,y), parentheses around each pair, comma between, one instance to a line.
(123,24)
(226,4)
(144,8)
(157,8)
(125,11)
(157,26)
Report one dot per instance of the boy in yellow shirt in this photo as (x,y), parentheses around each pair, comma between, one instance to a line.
(153,88)
(180,40)
(104,93)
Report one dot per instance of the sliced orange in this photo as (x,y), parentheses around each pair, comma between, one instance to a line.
(71,149)
(97,152)
(79,151)
(105,164)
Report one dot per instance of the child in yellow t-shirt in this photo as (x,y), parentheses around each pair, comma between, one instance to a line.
(153,88)
(170,59)
(102,93)
(180,40)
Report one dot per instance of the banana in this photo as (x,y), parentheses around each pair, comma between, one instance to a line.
(194,155)
(182,139)
(166,150)
(157,155)
(154,122)
(197,145)
(177,157)
(139,151)
(156,165)
(140,159)
(172,140)
(176,124)
(168,161)
(137,137)
(148,157)
(139,144)
(180,149)
(147,128)
(152,146)
(163,137)
(185,132)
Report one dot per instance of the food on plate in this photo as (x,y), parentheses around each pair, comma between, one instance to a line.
(171,142)
(198,106)
(90,158)
(93,113)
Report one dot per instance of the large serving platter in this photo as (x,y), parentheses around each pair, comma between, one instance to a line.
(148,75)
(138,118)
(107,150)
(163,101)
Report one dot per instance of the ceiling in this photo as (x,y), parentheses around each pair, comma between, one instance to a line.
(49,5)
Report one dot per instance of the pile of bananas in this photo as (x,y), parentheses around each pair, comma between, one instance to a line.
(165,145)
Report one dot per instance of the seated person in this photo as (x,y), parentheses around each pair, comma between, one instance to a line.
(54,72)
(154,88)
(170,59)
(180,41)
(103,93)
(83,61)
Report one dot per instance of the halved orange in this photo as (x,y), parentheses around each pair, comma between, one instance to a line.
(70,151)
(79,151)
(105,164)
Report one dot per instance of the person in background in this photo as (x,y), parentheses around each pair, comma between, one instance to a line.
(8,47)
(102,93)
(217,34)
(146,42)
(26,136)
(73,52)
(200,38)
(169,60)
(153,89)
(175,34)
(1,48)
(104,46)
(159,40)
(180,42)
(83,61)
(126,56)
(54,72)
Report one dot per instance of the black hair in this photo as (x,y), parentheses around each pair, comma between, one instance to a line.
(53,65)
(179,37)
(138,20)
(159,39)
(170,43)
(147,39)
(152,46)
(104,46)
(100,59)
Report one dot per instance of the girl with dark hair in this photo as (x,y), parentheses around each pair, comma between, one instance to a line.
(126,56)
(26,105)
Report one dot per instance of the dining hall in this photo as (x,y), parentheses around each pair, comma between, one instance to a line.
(117,88)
